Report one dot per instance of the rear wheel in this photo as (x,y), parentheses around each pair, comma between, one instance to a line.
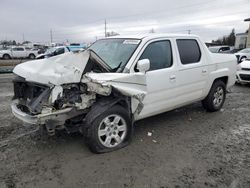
(6,56)
(110,131)
(216,97)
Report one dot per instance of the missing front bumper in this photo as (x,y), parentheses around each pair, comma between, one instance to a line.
(59,116)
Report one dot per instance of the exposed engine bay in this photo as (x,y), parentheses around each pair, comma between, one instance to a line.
(56,102)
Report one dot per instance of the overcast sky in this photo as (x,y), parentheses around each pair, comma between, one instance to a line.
(83,20)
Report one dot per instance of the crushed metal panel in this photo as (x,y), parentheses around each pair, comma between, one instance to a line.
(57,70)
(87,101)
(133,85)
(56,92)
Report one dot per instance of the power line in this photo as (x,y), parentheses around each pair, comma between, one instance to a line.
(169,12)
(51,36)
(142,25)
(142,14)
(105,28)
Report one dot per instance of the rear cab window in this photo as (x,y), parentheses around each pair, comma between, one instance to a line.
(189,51)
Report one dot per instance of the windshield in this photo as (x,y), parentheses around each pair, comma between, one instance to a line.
(115,52)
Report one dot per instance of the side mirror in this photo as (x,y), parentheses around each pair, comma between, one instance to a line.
(143,65)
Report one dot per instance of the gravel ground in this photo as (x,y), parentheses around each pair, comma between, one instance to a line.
(188,148)
(12,62)
(6,66)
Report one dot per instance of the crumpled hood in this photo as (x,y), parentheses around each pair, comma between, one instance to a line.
(57,70)
(245,64)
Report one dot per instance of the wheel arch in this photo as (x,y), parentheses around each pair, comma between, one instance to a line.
(223,78)
(7,55)
(31,54)
(104,103)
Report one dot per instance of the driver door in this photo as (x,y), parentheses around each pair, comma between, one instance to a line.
(160,78)
(18,52)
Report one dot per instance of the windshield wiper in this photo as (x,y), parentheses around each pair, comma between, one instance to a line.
(100,61)
(118,68)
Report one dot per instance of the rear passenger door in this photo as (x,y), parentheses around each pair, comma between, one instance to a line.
(160,79)
(18,52)
(192,71)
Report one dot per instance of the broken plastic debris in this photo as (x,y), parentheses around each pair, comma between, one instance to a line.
(154,141)
(149,134)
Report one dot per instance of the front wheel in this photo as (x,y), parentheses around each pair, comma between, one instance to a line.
(32,56)
(6,56)
(110,131)
(216,97)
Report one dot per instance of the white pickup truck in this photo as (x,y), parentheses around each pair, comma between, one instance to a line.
(102,91)
(18,52)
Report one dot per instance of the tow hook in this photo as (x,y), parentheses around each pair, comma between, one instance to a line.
(50,126)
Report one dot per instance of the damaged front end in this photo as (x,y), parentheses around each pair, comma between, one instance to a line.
(59,92)
(49,105)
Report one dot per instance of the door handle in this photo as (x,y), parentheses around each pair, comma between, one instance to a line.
(204,71)
(173,77)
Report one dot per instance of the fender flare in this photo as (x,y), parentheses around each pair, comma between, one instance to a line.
(101,106)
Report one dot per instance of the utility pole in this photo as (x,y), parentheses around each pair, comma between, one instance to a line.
(23,37)
(51,36)
(105,28)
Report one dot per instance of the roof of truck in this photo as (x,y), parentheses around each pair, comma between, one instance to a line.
(154,35)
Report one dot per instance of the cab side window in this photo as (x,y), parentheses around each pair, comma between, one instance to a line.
(189,51)
(159,54)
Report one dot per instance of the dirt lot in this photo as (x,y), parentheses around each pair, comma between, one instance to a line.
(12,62)
(188,148)
(6,66)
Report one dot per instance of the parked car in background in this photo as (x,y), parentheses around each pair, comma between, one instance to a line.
(76,47)
(103,90)
(58,50)
(41,50)
(53,52)
(18,52)
(220,49)
(242,55)
(243,73)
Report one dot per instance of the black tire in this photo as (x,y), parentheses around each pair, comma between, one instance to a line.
(32,56)
(6,56)
(212,103)
(92,138)
(242,58)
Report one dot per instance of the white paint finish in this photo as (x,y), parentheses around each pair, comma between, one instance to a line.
(243,65)
(192,78)
(160,89)
(133,85)
(156,91)
(61,69)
